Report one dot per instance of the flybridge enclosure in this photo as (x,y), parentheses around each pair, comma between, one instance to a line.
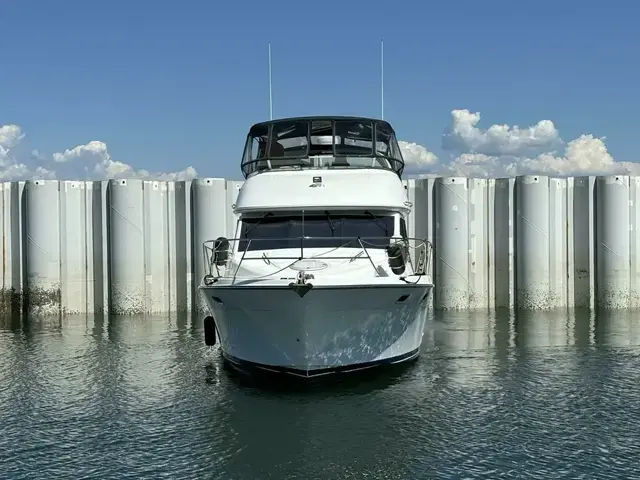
(322,142)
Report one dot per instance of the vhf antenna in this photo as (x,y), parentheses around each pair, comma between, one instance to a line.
(382,79)
(270,93)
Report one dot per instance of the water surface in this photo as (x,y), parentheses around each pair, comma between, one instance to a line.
(538,396)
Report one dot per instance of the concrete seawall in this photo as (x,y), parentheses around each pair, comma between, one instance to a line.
(133,246)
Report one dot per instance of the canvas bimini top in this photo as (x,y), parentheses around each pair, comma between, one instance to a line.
(321,142)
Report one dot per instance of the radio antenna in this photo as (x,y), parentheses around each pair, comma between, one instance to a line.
(270,92)
(382,79)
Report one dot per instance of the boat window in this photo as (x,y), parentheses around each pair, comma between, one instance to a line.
(403,228)
(387,145)
(395,151)
(322,138)
(383,140)
(278,232)
(289,139)
(357,138)
(254,149)
(308,142)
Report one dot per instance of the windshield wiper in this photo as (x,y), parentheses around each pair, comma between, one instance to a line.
(331,225)
(254,225)
(380,223)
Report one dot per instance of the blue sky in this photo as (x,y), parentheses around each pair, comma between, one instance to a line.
(167,85)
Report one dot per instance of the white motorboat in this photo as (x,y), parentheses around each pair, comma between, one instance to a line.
(321,276)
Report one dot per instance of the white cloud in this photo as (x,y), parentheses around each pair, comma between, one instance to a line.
(416,155)
(92,148)
(10,136)
(505,151)
(497,151)
(92,158)
(36,155)
(463,135)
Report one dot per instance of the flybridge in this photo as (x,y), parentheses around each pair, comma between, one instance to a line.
(321,142)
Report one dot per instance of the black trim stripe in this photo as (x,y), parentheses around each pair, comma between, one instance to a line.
(217,286)
(247,365)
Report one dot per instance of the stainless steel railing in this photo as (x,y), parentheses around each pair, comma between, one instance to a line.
(220,254)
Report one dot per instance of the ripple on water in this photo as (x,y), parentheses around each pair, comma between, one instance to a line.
(491,397)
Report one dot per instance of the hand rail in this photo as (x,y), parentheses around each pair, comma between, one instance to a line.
(219,254)
(270,163)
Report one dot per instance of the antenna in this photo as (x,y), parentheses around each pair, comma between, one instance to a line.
(382,79)
(270,93)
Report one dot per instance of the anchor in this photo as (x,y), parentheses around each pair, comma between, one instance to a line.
(300,286)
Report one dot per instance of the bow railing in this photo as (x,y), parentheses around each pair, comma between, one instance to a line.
(223,260)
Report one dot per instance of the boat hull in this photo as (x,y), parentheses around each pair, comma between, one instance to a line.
(326,330)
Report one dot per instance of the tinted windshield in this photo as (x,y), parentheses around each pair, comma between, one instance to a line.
(277,232)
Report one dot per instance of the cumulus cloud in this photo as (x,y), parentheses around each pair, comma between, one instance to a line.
(467,149)
(10,136)
(417,155)
(505,151)
(36,155)
(91,161)
(97,154)
(463,135)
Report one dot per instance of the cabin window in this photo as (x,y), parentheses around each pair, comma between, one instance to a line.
(383,138)
(403,228)
(259,136)
(328,231)
(394,149)
(289,139)
(254,149)
(387,145)
(322,138)
(352,142)
(357,138)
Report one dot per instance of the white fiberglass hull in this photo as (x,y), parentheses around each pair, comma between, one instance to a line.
(329,329)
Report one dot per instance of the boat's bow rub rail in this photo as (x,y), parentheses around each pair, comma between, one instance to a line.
(405,256)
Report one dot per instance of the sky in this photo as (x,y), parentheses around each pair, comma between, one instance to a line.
(168,90)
